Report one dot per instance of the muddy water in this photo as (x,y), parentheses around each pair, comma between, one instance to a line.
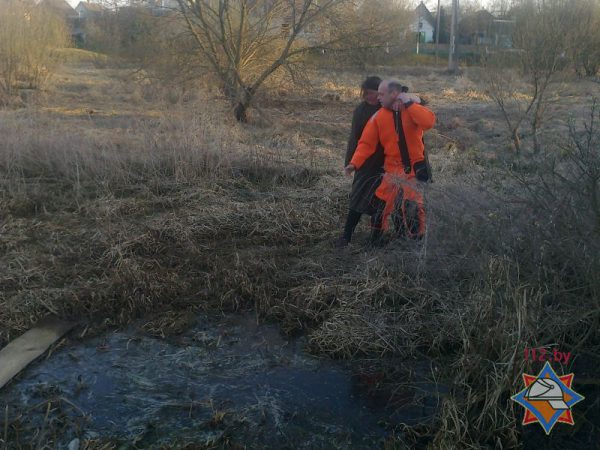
(226,380)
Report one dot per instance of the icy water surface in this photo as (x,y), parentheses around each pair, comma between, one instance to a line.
(226,380)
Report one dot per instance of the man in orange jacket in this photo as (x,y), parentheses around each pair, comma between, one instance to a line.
(402,139)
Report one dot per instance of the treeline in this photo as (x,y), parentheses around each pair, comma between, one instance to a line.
(568,29)
(242,44)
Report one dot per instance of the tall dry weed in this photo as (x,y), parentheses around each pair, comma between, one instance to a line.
(81,162)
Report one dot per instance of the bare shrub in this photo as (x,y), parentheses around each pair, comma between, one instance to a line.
(561,191)
(539,40)
(29,38)
(584,36)
(539,285)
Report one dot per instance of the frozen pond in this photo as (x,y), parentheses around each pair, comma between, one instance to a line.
(225,380)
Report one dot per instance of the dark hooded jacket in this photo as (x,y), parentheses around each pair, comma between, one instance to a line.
(368,177)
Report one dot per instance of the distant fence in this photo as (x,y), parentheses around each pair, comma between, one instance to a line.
(469,54)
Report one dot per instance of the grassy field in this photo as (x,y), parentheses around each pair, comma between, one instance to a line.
(123,199)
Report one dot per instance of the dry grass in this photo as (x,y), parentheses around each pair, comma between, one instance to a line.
(161,208)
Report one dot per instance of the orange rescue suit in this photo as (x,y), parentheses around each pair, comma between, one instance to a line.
(415,119)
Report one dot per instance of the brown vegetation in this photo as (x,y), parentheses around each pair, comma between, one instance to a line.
(130,198)
(129,192)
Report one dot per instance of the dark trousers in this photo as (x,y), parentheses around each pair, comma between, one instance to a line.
(352,221)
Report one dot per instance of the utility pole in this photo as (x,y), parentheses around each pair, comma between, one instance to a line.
(437,33)
(453,53)
(419,22)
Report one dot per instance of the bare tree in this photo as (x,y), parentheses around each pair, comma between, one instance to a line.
(539,42)
(368,31)
(244,42)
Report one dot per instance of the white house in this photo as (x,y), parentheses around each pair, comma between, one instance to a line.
(423,23)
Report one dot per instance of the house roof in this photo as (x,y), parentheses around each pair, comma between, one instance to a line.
(476,22)
(484,14)
(422,11)
(59,6)
(95,7)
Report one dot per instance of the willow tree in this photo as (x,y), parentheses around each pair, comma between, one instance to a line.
(244,42)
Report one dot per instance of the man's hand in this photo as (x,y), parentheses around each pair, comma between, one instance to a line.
(349,170)
(405,97)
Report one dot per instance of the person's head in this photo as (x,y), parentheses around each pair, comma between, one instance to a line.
(388,92)
(369,90)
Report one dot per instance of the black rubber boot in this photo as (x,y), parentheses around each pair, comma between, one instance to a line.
(351,221)
(341,242)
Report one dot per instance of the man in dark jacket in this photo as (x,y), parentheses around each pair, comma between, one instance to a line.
(367,179)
